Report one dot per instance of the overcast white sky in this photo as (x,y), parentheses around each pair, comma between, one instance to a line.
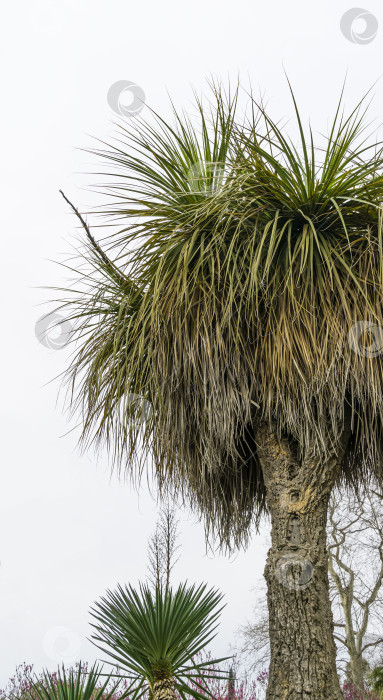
(67,532)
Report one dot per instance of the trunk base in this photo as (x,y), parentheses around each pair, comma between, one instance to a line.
(164,689)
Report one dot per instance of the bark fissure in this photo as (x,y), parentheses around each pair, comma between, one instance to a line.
(302,665)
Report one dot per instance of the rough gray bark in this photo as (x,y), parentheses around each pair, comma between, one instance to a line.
(303,653)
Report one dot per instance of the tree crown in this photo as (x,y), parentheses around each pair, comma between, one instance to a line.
(244,283)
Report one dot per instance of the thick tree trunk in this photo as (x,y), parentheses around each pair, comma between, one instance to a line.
(303,651)
(163,689)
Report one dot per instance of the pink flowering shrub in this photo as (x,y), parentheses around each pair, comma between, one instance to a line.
(351,692)
(223,689)
(19,686)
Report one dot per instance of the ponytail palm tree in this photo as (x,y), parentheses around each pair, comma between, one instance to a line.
(240,297)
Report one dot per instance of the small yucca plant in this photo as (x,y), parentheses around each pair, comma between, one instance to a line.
(74,684)
(155,638)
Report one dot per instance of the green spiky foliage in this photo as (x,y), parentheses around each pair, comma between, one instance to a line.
(230,294)
(158,636)
(74,684)
(376,680)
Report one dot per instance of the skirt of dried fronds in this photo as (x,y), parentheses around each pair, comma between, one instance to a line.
(213,361)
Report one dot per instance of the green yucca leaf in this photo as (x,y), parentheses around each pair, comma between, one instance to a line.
(376,680)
